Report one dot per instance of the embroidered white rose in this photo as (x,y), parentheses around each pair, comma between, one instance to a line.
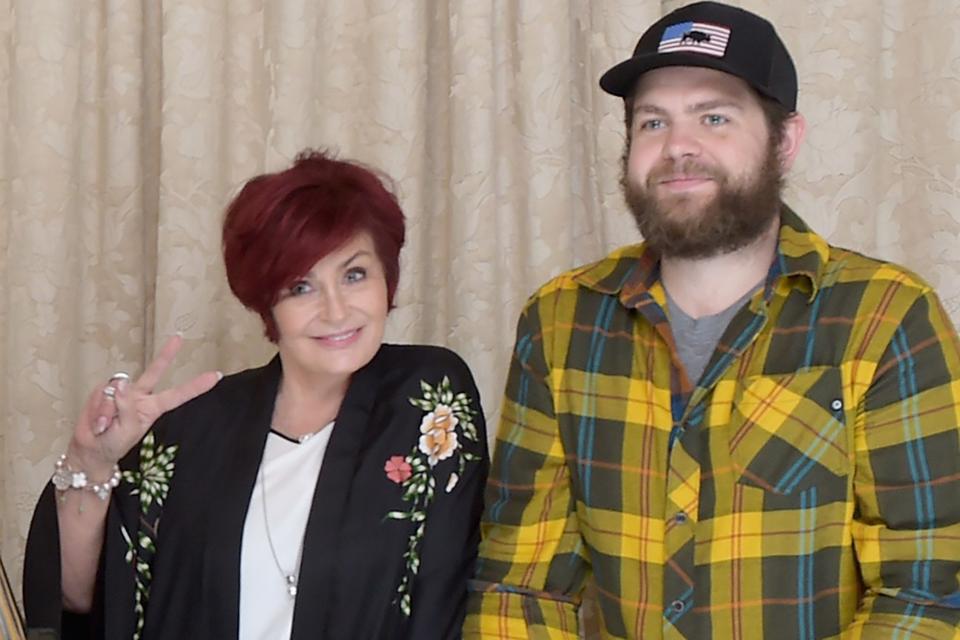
(439,439)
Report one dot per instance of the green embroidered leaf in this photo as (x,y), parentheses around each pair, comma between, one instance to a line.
(151,483)
(419,489)
(421,404)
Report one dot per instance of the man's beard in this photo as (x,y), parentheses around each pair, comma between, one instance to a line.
(681,227)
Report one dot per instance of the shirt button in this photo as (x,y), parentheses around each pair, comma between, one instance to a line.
(677,606)
(836,404)
(680,518)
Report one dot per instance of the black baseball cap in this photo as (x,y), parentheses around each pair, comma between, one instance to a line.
(715,36)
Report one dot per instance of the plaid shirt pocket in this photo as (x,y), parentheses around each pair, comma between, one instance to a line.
(788,432)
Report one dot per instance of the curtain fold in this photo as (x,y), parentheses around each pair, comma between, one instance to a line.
(125,128)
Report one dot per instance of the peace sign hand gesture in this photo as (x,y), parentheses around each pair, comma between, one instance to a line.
(119,413)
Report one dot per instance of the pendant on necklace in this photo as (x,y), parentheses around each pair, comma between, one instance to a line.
(292,585)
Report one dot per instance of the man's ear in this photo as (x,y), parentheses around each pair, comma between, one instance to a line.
(794,129)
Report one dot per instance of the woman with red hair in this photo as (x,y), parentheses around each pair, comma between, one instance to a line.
(332,493)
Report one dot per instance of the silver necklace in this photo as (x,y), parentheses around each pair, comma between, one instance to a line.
(289,577)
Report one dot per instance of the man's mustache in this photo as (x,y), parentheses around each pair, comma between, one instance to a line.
(690,169)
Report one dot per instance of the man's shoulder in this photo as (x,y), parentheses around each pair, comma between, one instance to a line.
(846,266)
(805,251)
(602,277)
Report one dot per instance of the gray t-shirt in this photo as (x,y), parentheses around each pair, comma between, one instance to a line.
(697,338)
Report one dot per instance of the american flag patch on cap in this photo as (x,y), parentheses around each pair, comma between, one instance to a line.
(698,37)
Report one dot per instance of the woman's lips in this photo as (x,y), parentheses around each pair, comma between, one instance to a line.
(340,339)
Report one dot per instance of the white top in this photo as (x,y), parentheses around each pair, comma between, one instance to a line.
(290,471)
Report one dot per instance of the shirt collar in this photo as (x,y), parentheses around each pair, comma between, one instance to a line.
(631,271)
(801,254)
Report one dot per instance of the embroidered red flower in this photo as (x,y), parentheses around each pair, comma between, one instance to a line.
(398,469)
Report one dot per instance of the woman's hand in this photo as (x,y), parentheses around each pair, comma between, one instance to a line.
(112,424)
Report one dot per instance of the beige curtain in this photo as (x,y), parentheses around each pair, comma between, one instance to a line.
(126,126)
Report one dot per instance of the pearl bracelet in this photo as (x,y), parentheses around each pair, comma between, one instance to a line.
(65,478)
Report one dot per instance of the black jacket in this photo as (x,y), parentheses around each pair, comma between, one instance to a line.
(353,557)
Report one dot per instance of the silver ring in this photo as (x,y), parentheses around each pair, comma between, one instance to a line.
(111,390)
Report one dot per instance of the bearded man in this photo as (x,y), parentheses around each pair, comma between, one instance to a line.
(734,429)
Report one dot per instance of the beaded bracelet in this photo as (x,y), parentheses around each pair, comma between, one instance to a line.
(65,478)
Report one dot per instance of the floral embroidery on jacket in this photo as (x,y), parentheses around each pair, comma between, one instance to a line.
(152,483)
(398,469)
(447,422)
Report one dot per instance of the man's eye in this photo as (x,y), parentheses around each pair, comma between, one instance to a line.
(714,119)
(356,274)
(651,124)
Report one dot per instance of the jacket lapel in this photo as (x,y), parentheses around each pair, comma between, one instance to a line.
(318,566)
(245,432)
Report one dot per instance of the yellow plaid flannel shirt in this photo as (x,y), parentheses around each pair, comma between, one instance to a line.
(805,488)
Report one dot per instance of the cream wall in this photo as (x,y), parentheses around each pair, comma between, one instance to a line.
(126,126)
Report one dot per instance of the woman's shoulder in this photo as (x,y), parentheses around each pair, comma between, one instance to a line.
(422,357)
(406,370)
(242,382)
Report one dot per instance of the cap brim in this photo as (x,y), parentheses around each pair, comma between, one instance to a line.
(620,79)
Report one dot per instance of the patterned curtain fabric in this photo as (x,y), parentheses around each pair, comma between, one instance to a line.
(126,126)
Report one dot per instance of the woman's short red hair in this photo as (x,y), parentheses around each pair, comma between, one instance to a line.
(281,224)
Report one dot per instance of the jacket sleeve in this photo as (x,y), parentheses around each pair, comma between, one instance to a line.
(907,483)
(113,599)
(42,590)
(531,569)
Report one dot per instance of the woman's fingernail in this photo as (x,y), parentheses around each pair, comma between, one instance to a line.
(219,376)
(121,385)
(101,425)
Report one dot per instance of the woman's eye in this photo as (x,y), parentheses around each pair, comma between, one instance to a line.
(356,274)
(299,288)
